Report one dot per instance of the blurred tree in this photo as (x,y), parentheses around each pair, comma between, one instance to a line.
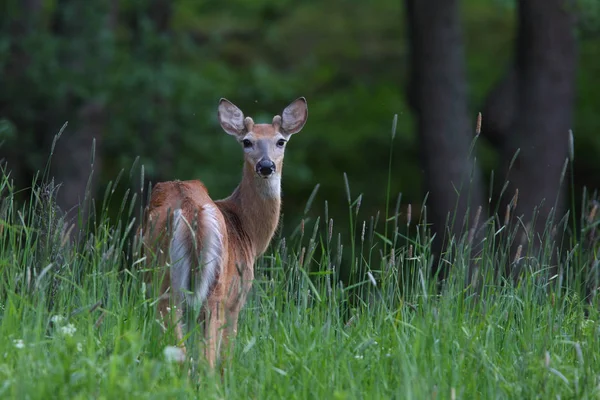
(85,31)
(438,94)
(25,17)
(56,71)
(531,110)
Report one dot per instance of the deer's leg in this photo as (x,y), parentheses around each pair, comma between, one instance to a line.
(232,318)
(229,334)
(170,313)
(215,321)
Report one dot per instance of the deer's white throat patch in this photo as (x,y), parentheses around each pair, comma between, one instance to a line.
(269,187)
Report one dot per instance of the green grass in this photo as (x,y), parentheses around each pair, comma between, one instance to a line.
(77,322)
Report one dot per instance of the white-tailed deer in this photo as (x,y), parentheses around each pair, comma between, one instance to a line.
(210,247)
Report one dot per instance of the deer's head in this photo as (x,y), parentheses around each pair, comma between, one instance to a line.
(263,144)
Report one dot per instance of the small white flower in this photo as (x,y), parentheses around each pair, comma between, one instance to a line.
(68,330)
(588,324)
(79,347)
(359,357)
(174,354)
(18,343)
(56,319)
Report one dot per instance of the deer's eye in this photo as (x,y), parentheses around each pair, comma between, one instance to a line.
(280,143)
(247,143)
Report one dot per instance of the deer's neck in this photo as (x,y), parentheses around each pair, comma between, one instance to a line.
(257,203)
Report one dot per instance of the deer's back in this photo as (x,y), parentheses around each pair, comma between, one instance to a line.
(165,199)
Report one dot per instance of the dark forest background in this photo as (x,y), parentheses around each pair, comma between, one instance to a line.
(143,78)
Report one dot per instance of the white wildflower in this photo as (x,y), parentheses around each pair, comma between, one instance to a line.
(68,330)
(18,343)
(79,347)
(174,354)
(359,357)
(57,319)
(588,325)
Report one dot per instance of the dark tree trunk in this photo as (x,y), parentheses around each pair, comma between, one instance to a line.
(72,166)
(438,95)
(532,109)
(160,14)
(500,109)
(24,20)
(72,160)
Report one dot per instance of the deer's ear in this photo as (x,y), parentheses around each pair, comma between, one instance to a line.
(294,117)
(231,118)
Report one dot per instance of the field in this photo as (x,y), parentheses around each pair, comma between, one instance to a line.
(77,321)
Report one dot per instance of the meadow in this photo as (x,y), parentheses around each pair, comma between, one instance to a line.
(332,314)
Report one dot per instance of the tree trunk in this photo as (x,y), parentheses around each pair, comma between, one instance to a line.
(531,111)
(160,13)
(73,156)
(499,110)
(24,20)
(438,95)
(86,115)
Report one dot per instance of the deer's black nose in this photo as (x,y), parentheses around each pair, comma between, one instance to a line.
(265,168)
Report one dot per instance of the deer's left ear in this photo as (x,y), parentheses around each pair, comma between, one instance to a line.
(294,117)
(231,118)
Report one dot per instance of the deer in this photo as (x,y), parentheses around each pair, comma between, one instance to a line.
(209,247)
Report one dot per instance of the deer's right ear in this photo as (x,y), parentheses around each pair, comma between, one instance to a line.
(294,117)
(231,118)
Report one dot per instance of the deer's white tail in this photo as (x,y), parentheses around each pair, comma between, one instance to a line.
(193,273)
